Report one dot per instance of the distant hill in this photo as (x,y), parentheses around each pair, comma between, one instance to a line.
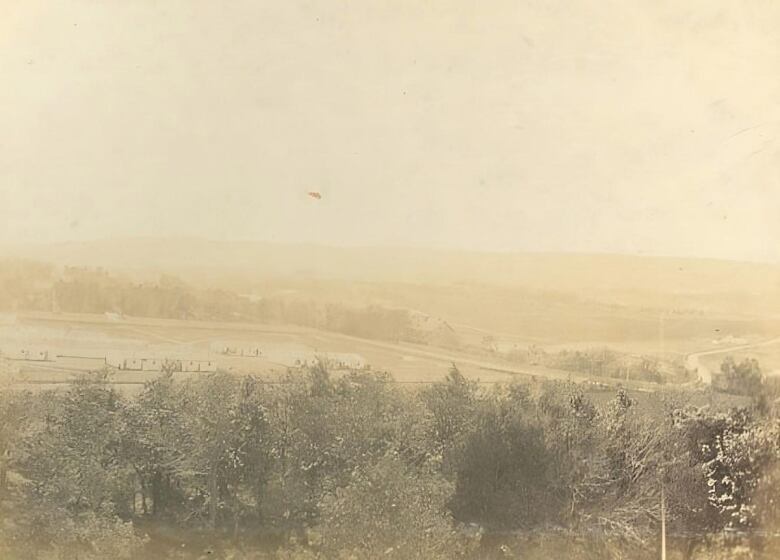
(584,275)
(639,302)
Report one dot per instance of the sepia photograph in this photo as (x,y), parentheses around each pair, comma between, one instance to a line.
(389,280)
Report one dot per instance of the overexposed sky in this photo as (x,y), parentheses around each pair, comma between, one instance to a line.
(591,126)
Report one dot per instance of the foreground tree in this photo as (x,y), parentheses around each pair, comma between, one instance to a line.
(225,451)
(390,511)
(74,455)
(503,476)
(157,439)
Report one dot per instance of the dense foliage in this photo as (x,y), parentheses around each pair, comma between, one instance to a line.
(312,466)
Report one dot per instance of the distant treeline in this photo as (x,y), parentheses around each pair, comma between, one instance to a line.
(746,378)
(25,285)
(317,467)
(31,286)
(604,362)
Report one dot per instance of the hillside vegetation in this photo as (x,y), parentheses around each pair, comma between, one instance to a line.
(317,467)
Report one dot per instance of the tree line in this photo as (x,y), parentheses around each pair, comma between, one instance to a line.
(315,466)
(605,362)
(32,286)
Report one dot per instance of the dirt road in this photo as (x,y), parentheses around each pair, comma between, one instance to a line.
(693,362)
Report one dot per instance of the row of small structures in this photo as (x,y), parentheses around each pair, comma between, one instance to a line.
(118,362)
(27,355)
(156,364)
(124,362)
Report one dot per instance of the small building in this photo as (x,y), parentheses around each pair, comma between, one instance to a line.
(132,364)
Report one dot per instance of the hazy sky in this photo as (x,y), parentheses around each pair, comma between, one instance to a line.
(619,126)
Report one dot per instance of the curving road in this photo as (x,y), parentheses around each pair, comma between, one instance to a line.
(705,373)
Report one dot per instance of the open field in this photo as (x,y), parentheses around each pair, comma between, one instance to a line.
(643,322)
(78,343)
(489,314)
(464,307)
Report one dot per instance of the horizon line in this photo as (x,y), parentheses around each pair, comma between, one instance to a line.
(387,246)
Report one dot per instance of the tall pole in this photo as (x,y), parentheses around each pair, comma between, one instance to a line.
(663,524)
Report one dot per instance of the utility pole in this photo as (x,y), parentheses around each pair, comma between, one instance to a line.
(663,523)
